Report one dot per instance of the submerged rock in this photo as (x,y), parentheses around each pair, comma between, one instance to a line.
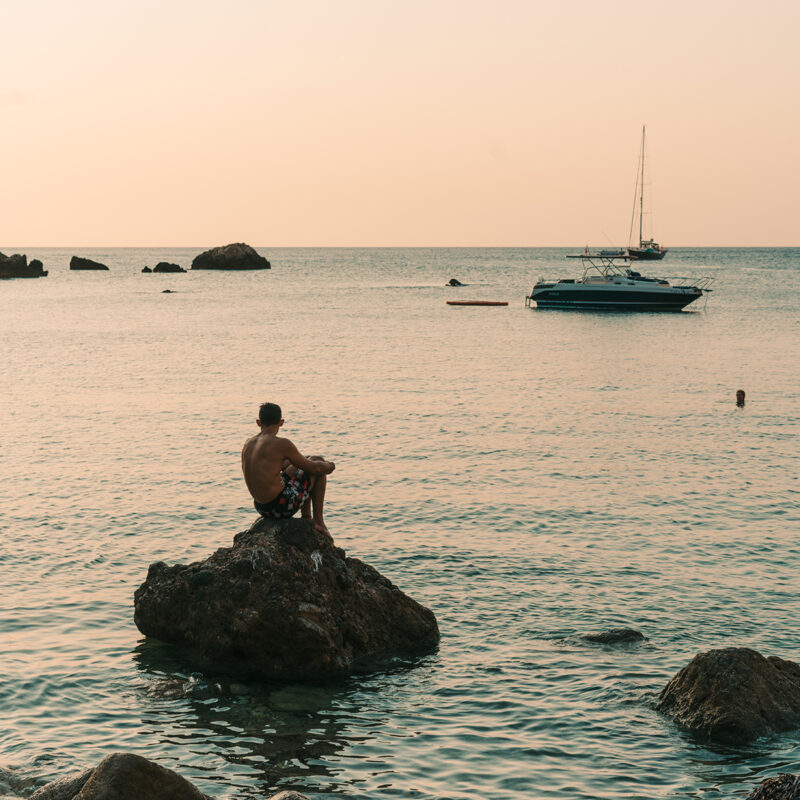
(734,695)
(17,266)
(76,262)
(230,256)
(165,266)
(282,602)
(614,636)
(122,776)
(784,787)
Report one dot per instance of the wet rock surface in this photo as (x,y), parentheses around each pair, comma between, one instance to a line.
(784,787)
(282,602)
(230,256)
(122,776)
(734,695)
(614,636)
(17,266)
(76,262)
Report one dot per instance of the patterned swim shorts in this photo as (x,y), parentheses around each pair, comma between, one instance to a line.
(296,490)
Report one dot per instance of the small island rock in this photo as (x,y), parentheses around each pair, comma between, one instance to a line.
(784,787)
(734,695)
(454,282)
(147,269)
(230,256)
(17,266)
(76,262)
(282,602)
(164,266)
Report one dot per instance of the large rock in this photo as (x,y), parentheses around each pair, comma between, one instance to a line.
(231,256)
(17,266)
(282,602)
(734,695)
(784,787)
(122,776)
(76,262)
(165,266)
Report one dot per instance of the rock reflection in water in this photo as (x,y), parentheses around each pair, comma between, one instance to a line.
(283,733)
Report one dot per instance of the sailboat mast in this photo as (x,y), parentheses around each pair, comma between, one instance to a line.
(641,193)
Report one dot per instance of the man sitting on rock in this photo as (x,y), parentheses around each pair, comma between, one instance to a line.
(280,479)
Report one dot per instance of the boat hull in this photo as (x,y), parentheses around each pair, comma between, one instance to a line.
(637,254)
(607,299)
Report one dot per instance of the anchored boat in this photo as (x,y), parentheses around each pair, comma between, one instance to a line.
(648,249)
(608,284)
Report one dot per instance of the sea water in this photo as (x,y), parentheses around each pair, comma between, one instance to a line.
(530,476)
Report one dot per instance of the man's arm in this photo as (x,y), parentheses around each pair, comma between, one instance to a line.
(309,465)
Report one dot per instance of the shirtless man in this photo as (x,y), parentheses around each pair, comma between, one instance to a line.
(280,479)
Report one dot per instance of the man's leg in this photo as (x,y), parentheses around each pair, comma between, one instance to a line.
(317,501)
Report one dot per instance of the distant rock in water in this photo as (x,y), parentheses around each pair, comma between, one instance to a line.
(164,266)
(76,262)
(147,269)
(454,282)
(17,266)
(734,695)
(784,787)
(614,636)
(167,291)
(122,776)
(231,256)
(282,602)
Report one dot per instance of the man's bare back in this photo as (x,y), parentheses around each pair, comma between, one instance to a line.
(273,468)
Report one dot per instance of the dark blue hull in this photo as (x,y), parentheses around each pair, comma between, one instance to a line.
(613,300)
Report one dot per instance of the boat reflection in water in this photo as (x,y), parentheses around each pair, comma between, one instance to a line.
(608,284)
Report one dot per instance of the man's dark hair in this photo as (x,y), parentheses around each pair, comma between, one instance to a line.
(269,414)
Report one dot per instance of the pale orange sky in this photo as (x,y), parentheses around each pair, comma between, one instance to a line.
(369,123)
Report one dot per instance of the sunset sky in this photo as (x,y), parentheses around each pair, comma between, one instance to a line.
(369,123)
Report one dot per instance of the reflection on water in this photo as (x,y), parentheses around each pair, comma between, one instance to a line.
(529,477)
(279,734)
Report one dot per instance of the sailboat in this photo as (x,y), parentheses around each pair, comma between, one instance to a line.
(648,249)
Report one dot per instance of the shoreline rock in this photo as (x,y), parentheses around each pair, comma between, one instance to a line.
(122,776)
(17,266)
(282,603)
(734,695)
(78,263)
(784,787)
(238,256)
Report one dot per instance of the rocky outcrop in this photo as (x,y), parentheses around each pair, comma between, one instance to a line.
(231,256)
(614,636)
(122,776)
(784,787)
(17,266)
(147,269)
(76,262)
(282,602)
(734,695)
(164,266)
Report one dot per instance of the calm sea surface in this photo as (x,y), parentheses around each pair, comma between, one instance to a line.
(528,475)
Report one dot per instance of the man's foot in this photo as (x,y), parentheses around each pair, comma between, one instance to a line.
(321,527)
